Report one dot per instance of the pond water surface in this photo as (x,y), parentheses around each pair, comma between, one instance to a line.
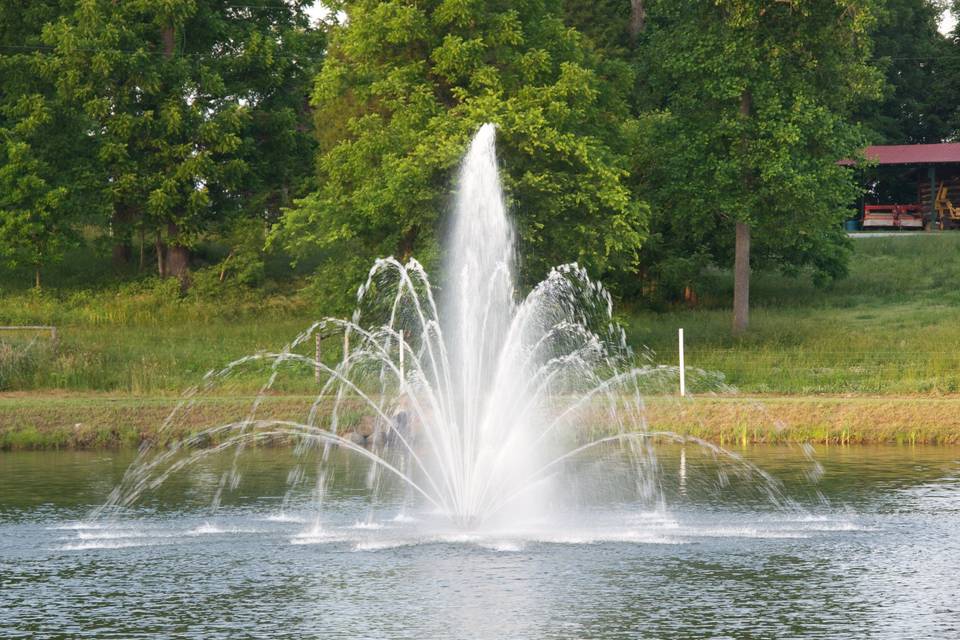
(872,550)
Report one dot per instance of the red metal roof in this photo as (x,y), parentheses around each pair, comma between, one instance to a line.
(914,153)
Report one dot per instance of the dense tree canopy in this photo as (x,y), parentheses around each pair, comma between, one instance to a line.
(404,87)
(176,119)
(954,75)
(176,94)
(922,91)
(40,176)
(171,125)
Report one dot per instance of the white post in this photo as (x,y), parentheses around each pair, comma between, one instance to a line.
(683,372)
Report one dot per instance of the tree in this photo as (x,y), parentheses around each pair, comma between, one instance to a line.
(35,224)
(953,75)
(405,85)
(180,96)
(40,189)
(756,100)
(921,92)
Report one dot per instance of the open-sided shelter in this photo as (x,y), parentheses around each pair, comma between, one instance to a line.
(928,176)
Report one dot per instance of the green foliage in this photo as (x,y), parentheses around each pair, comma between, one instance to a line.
(954,70)
(922,91)
(33,224)
(174,118)
(186,122)
(245,263)
(404,87)
(756,101)
(184,118)
(605,22)
(39,185)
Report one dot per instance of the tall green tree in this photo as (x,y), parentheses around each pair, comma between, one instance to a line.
(36,220)
(190,103)
(756,99)
(404,87)
(954,72)
(922,91)
(40,186)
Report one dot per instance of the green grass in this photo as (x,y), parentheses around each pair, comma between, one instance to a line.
(892,327)
(141,337)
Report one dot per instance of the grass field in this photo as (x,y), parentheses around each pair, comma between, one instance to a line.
(892,327)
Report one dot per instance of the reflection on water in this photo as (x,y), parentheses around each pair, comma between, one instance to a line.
(870,550)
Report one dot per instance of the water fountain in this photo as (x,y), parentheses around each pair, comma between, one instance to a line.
(474,399)
(466,451)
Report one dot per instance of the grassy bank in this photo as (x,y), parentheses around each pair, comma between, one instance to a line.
(892,327)
(95,421)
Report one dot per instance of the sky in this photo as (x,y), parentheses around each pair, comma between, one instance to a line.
(947,22)
(317,11)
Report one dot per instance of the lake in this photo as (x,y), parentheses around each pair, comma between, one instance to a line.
(866,546)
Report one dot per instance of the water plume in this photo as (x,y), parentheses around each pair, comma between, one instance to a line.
(473,397)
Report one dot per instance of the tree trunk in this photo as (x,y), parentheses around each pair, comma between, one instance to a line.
(407,243)
(143,257)
(121,255)
(161,251)
(741,279)
(36,277)
(169,36)
(638,19)
(178,258)
(120,226)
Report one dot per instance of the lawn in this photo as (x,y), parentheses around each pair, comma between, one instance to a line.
(891,327)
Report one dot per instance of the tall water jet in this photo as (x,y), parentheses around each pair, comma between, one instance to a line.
(490,434)
(478,305)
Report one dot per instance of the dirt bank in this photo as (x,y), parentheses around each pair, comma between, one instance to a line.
(37,421)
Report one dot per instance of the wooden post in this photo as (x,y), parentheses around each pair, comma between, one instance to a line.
(932,175)
(345,365)
(317,372)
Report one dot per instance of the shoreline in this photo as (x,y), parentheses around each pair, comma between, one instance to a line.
(55,420)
